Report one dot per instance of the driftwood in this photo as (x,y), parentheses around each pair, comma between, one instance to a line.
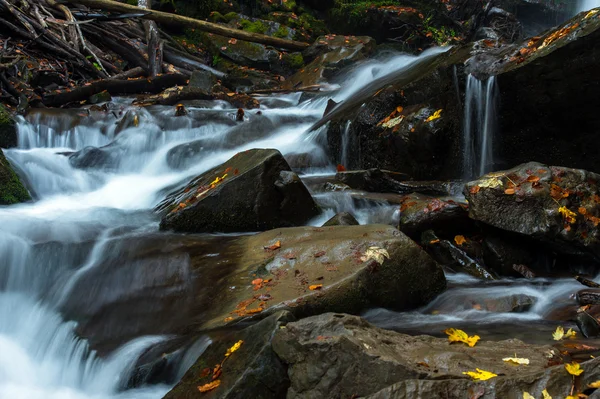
(587,282)
(114,87)
(173,19)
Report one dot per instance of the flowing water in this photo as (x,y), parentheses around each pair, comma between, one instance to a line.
(584,5)
(47,247)
(479,123)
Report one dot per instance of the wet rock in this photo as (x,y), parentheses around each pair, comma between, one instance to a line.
(254,190)
(330,54)
(203,80)
(129,120)
(419,213)
(502,253)
(454,257)
(337,355)
(524,271)
(552,204)
(102,97)
(587,324)
(249,54)
(375,180)
(8,129)
(305,160)
(174,95)
(342,219)
(504,303)
(93,157)
(253,371)
(12,190)
(589,296)
(587,282)
(166,284)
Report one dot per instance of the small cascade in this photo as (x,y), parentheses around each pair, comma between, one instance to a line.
(345,144)
(479,124)
(584,5)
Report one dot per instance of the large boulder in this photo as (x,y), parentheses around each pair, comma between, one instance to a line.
(254,190)
(337,355)
(554,204)
(12,190)
(176,284)
(419,213)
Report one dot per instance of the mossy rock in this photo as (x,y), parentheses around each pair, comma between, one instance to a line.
(12,190)
(8,129)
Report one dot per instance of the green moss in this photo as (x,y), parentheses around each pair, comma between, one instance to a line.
(293,60)
(254,27)
(216,16)
(230,16)
(281,32)
(12,190)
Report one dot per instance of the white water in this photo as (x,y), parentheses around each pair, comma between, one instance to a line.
(48,245)
(584,5)
(479,123)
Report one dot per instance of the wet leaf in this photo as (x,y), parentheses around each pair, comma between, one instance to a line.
(480,375)
(315,287)
(436,115)
(533,178)
(474,189)
(319,254)
(490,182)
(235,347)
(559,333)
(509,191)
(273,247)
(570,216)
(546,395)
(210,386)
(595,384)
(516,360)
(460,240)
(526,395)
(437,240)
(456,335)
(341,168)
(573,368)
(376,253)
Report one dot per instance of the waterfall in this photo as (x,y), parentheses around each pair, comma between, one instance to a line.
(584,5)
(345,144)
(479,124)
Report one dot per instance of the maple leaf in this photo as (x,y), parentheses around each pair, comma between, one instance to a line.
(516,360)
(456,335)
(560,333)
(570,216)
(235,347)
(460,240)
(574,368)
(375,253)
(436,115)
(480,375)
(210,386)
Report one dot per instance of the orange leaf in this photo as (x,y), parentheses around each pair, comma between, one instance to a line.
(434,241)
(341,168)
(460,240)
(315,287)
(210,386)
(582,210)
(509,191)
(474,189)
(273,247)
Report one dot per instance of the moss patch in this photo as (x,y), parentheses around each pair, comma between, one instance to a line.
(254,27)
(293,60)
(12,190)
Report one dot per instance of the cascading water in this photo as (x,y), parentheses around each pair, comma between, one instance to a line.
(479,123)
(47,247)
(584,5)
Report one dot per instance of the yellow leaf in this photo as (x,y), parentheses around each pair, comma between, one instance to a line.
(595,384)
(516,360)
(456,335)
(235,347)
(546,395)
(375,253)
(460,240)
(574,368)
(526,395)
(480,375)
(570,334)
(560,333)
(210,386)
(570,216)
(315,287)
(490,182)
(436,115)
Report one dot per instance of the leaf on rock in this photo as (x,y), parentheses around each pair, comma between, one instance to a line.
(315,287)
(516,360)
(570,216)
(376,253)
(210,386)
(595,384)
(509,191)
(460,240)
(456,335)
(560,333)
(546,395)
(273,247)
(490,182)
(436,115)
(527,395)
(474,189)
(573,368)
(235,347)
(340,168)
(480,375)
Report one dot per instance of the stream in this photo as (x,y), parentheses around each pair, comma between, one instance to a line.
(49,245)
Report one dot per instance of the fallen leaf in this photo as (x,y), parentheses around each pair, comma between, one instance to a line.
(570,216)
(315,287)
(546,395)
(235,347)
(436,115)
(474,189)
(526,395)
(206,372)
(509,191)
(490,182)
(533,178)
(210,386)
(273,247)
(595,384)
(460,240)
(456,335)
(375,253)
(574,368)
(480,375)
(434,241)
(516,360)
(257,281)
(319,254)
(341,168)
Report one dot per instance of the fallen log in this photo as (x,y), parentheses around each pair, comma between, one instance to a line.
(114,87)
(312,88)
(132,73)
(587,282)
(173,19)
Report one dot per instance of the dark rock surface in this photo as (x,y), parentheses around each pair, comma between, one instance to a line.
(12,190)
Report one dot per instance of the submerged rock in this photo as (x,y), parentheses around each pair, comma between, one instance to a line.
(12,190)
(337,355)
(552,204)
